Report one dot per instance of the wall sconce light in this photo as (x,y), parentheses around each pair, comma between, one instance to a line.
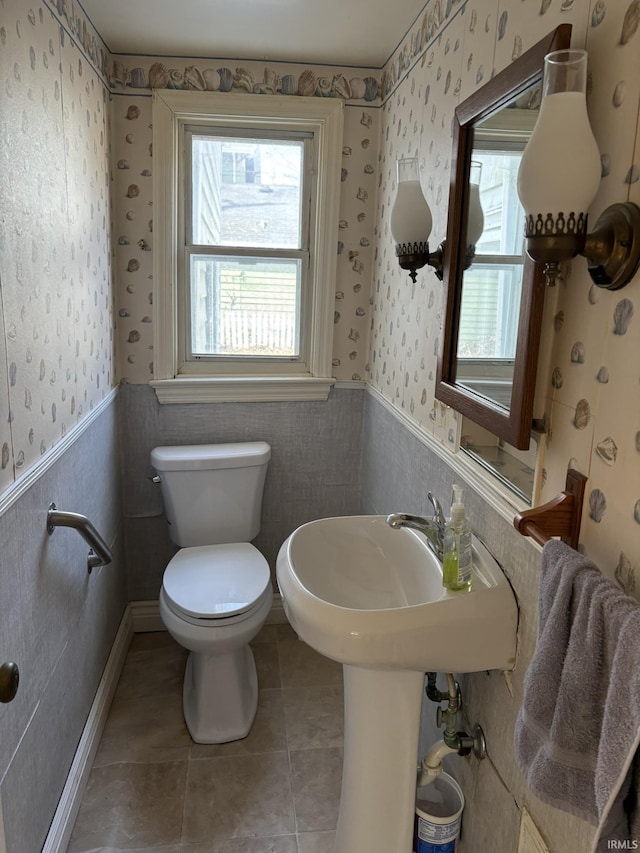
(411,222)
(559,177)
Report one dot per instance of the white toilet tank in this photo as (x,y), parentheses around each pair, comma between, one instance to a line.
(212,492)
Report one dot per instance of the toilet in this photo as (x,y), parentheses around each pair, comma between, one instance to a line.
(216,591)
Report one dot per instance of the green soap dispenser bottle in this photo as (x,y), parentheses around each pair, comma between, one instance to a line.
(457,560)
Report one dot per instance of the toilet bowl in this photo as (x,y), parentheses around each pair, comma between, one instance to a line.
(216,594)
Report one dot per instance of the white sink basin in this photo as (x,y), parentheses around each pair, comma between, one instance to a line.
(362,593)
(371,597)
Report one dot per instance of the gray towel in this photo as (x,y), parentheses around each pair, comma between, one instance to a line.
(578,731)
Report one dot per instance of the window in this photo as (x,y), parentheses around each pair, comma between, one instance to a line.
(246,192)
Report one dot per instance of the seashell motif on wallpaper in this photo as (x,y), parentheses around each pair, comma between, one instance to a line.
(138,78)
(603,375)
(633,175)
(340,87)
(607,450)
(622,316)
(243,79)
(582,415)
(636,511)
(638,441)
(597,505)
(211,79)
(605,165)
(625,574)
(502,24)
(307,83)
(578,353)
(597,16)
(5,454)
(619,93)
(556,378)
(631,22)
(193,79)
(133,113)
(226,79)
(158,76)
(594,294)
(289,85)
(544,6)
(558,321)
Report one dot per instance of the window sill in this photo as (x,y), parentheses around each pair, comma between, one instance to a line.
(242,389)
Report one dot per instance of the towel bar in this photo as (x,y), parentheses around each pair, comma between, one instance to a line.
(99,553)
(561,516)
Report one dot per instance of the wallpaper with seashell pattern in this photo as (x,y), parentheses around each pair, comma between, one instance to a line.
(57,349)
(589,388)
(68,107)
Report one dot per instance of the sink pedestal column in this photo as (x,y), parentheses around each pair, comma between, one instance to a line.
(382,722)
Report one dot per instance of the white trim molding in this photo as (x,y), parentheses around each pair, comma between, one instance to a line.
(26,480)
(241,389)
(65,816)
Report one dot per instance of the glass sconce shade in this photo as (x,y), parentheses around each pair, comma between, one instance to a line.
(410,216)
(560,168)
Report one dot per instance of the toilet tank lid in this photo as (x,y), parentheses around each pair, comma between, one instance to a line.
(199,457)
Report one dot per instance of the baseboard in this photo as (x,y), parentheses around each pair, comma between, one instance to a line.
(146,615)
(64,818)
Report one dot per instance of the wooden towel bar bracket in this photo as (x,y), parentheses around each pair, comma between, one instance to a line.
(561,516)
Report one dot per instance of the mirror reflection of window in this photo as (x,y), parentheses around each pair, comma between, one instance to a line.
(492,284)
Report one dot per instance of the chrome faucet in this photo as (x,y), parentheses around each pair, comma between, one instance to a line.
(432,528)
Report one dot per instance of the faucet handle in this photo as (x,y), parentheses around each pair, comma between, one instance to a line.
(438,514)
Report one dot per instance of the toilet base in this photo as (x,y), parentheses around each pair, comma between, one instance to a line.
(220,695)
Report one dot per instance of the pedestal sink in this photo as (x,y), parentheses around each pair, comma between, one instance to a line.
(371,598)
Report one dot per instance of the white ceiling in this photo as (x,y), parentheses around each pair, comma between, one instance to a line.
(337,32)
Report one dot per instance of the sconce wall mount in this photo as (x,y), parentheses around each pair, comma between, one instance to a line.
(414,256)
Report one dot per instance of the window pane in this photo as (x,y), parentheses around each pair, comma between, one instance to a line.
(246,192)
(489,311)
(245,306)
(503,232)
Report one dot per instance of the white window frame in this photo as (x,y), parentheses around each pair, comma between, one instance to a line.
(175,382)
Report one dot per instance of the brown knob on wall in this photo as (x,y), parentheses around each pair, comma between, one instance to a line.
(9,680)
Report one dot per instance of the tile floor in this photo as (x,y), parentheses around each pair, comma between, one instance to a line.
(277,791)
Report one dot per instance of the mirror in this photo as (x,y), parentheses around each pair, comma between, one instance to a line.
(495,293)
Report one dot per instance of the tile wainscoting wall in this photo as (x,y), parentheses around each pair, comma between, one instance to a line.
(314,469)
(58,624)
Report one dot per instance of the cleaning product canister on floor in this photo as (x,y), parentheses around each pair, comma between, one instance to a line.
(438,813)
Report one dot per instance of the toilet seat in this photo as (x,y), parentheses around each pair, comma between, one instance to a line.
(216,582)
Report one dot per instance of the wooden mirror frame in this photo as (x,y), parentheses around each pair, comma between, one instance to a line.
(512,425)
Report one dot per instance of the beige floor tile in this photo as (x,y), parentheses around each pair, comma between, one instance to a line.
(148,729)
(130,806)
(302,666)
(154,667)
(267,664)
(314,717)
(316,777)
(239,796)
(267,733)
(316,842)
(279,844)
